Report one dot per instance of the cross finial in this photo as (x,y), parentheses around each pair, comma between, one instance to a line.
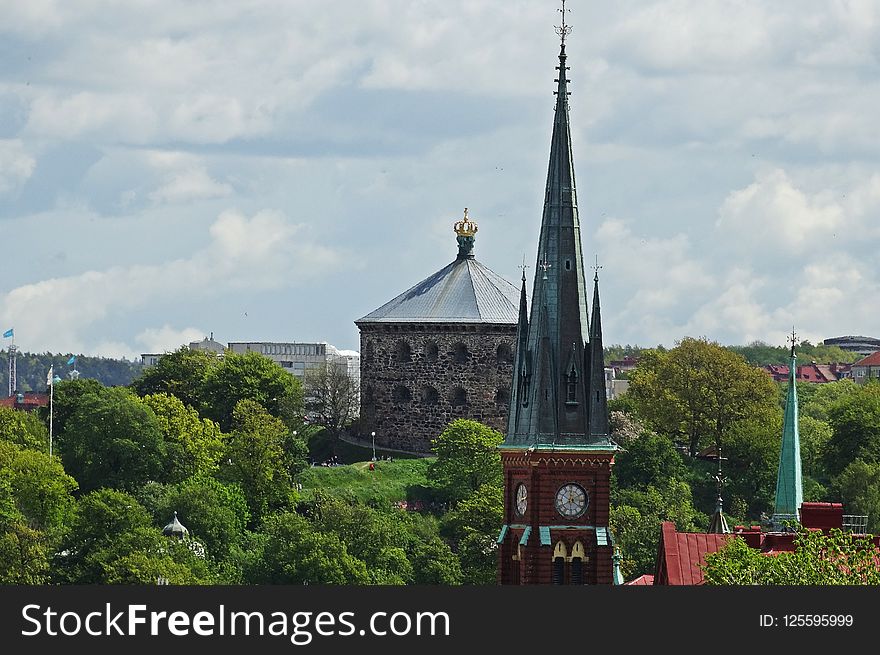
(544,265)
(792,340)
(523,267)
(564,29)
(596,268)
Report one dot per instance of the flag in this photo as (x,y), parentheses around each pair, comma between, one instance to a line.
(71,361)
(8,333)
(50,376)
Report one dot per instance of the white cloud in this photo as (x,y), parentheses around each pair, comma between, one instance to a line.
(190,184)
(265,251)
(16,165)
(167,338)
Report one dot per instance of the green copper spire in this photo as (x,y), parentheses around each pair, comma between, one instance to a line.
(618,576)
(789,484)
(554,390)
(598,398)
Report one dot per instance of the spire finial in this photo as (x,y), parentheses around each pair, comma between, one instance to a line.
(523,267)
(465,229)
(792,340)
(564,29)
(544,265)
(596,268)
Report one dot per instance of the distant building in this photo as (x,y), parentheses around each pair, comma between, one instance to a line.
(867,368)
(810,372)
(625,365)
(26,401)
(614,388)
(862,345)
(209,345)
(298,357)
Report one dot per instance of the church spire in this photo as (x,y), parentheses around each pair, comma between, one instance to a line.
(789,483)
(598,396)
(554,384)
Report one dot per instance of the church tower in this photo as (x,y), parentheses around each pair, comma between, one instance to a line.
(557,454)
(789,482)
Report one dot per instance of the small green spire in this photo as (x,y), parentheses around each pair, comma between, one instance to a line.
(789,482)
(618,576)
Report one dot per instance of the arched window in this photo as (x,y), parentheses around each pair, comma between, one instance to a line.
(577,563)
(559,556)
(458,397)
(503,355)
(402,351)
(460,353)
(401,394)
(431,351)
(429,395)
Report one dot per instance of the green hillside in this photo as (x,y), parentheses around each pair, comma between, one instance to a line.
(390,482)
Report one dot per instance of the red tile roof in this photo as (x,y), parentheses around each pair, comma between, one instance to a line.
(643,580)
(871,360)
(682,553)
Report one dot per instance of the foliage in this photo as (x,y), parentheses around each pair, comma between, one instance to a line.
(833,558)
(331,396)
(256,460)
(472,527)
(249,376)
(294,552)
(855,420)
(759,353)
(24,551)
(635,522)
(193,445)
(858,487)
(815,400)
(435,564)
(112,439)
(24,429)
(697,391)
(65,401)
(815,435)
(181,374)
(41,490)
(650,460)
(752,466)
(467,458)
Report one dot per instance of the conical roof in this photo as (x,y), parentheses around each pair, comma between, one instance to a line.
(175,528)
(464,291)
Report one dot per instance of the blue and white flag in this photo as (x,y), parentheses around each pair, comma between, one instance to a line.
(71,361)
(8,333)
(50,376)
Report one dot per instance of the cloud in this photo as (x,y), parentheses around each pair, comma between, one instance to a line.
(16,165)
(190,184)
(264,251)
(167,338)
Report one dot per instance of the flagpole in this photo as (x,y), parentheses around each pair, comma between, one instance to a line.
(51,398)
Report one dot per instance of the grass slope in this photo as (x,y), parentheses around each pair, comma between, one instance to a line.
(391,481)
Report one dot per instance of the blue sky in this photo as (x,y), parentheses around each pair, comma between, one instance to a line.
(273,170)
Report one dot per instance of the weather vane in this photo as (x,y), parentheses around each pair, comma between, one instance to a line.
(563,30)
(792,340)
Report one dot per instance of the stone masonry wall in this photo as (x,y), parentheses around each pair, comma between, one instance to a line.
(417,378)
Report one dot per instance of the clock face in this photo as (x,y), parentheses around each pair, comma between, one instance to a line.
(571,500)
(521,499)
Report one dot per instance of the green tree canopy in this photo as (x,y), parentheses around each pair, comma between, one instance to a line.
(697,391)
(855,421)
(112,440)
(255,458)
(467,458)
(24,429)
(181,374)
(331,396)
(858,487)
(193,445)
(249,376)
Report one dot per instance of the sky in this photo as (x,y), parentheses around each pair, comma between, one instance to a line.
(272,170)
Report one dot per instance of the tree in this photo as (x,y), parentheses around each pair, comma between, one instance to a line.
(67,395)
(193,445)
(112,439)
(855,421)
(331,396)
(24,551)
(649,460)
(467,458)
(249,376)
(181,374)
(295,553)
(435,564)
(697,391)
(833,558)
(472,528)
(24,429)
(822,397)
(255,459)
(858,487)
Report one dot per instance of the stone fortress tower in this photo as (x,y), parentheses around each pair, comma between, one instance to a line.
(439,351)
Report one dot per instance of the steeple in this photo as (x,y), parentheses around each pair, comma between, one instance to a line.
(718,524)
(556,381)
(598,398)
(789,483)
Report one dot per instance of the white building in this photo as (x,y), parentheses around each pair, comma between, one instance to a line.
(297,358)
